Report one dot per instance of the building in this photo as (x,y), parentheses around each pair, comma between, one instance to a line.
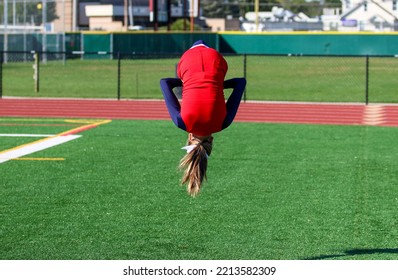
(75,15)
(108,15)
(354,15)
(369,15)
(66,21)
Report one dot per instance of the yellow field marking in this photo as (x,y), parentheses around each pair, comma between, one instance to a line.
(27,144)
(87,121)
(309,33)
(72,121)
(57,139)
(88,125)
(35,146)
(40,159)
(30,120)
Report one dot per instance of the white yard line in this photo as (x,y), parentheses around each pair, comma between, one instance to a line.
(25,135)
(35,146)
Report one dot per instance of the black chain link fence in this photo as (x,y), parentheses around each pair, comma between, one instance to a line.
(131,76)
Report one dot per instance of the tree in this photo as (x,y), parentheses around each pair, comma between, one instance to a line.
(179,25)
(310,8)
(30,12)
(51,13)
(296,6)
(212,9)
(222,8)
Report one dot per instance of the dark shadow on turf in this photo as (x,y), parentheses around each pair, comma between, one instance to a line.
(355,252)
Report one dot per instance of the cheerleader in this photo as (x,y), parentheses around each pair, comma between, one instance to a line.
(203,111)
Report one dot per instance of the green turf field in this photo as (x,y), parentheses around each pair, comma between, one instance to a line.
(276,78)
(273,192)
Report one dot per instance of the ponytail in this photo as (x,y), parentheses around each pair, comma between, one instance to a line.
(194,164)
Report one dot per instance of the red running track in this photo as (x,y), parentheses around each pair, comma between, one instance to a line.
(270,112)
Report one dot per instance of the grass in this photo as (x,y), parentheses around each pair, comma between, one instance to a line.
(273,192)
(310,78)
(277,78)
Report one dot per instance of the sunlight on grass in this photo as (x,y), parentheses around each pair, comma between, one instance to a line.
(273,192)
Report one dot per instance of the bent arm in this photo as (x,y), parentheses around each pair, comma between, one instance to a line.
(238,85)
(173,106)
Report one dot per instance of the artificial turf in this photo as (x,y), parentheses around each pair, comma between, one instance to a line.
(273,192)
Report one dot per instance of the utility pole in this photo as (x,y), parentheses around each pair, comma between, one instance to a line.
(256,8)
(44,21)
(131,13)
(14,13)
(168,4)
(126,20)
(5,47)
(155,15)
(184,13)
(191,13)
(74,15)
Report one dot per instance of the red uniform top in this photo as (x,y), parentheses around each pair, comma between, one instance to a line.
(202,71)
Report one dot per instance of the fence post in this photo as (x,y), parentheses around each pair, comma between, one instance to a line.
(367,81)
(244,74)
(36,71)
(118,76)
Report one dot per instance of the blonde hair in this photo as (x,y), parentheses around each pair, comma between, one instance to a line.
(194,164)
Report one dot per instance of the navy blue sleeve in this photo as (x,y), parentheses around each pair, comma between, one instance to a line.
(173,106)
(238,85)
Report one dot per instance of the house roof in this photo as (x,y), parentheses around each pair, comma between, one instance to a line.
(373,12)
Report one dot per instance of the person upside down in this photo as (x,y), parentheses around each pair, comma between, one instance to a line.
(203,111)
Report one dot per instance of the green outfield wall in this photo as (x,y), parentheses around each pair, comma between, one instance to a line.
(301,43)
(265,43)
(282,43)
